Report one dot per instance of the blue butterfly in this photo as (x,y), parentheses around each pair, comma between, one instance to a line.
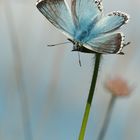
(85,25)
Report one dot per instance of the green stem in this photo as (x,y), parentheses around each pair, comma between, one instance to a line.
(90,97)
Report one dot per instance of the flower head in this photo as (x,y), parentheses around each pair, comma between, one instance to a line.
(118,86)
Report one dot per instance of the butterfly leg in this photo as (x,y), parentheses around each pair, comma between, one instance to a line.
(125,44)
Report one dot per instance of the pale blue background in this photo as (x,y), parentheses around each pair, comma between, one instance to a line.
(43,90)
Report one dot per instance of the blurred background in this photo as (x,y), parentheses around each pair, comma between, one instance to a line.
(43,91)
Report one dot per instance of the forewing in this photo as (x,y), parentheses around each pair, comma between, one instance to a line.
(86,12)
(109,43)
(57,12)
(109,23)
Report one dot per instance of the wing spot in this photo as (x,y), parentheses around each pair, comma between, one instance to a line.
(99,4)
(121,14)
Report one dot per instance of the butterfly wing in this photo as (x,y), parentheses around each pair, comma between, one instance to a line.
(57,12)
(108,43)
(101,38)
(86,12)
(109,23)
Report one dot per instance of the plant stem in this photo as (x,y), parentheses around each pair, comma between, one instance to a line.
(107,118)
(90,97)
(23,97)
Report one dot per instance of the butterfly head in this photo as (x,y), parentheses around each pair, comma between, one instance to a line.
(78,46)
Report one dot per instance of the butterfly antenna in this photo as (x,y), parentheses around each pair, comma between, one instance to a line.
(57,44)
(79,59)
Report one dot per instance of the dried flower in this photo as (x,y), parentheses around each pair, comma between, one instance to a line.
(118,86)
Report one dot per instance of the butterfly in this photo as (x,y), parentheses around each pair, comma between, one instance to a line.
(85,24)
